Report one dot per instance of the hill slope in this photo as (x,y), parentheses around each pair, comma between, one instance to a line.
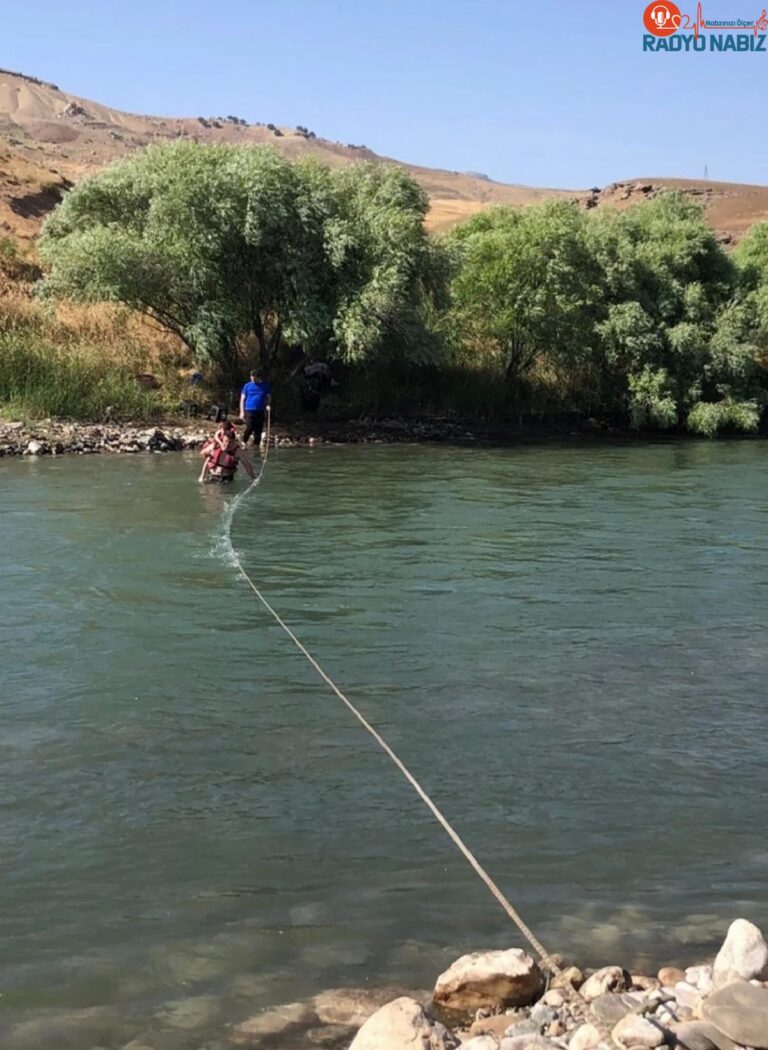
(50,138)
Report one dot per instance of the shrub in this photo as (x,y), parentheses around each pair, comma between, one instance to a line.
(710,418)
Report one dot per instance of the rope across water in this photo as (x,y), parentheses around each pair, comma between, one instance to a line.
(511,911)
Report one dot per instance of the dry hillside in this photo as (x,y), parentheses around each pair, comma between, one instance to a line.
(49,138)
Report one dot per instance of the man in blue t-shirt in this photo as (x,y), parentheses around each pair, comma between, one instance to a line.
(254,402)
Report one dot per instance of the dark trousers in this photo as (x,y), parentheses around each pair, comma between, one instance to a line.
(254,424)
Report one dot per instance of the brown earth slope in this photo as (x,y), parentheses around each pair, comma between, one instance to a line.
(49,139)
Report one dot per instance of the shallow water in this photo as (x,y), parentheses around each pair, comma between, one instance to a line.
(566,644)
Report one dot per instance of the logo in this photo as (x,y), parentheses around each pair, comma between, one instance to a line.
(662,18)
(670,29)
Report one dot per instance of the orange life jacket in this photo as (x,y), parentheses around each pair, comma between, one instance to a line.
(223,461)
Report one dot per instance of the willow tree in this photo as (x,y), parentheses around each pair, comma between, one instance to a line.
(525,286)
(223,244)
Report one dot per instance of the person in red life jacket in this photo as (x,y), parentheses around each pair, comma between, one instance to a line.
(222,455)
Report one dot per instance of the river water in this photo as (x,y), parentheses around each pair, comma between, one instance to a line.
(566,644)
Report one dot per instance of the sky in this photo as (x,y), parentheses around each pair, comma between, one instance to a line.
(541,93)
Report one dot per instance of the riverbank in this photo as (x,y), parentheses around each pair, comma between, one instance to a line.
(504,1000)
(59,437)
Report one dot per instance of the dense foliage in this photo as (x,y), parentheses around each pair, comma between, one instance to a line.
(639,314)
(222,244)
(639,317)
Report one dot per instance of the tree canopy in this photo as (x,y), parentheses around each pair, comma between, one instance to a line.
(220,244)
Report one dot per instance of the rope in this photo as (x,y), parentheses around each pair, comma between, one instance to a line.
(511,911)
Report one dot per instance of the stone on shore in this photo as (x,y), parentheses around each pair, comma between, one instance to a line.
(403,1025)
(607,979)
(634,1030)
(571,977)
(744,954)
(701,1035)
(669,975)
(586,1037)
(481,1042)
(611,1007)
(701,978)
(489,980)
(740,1011)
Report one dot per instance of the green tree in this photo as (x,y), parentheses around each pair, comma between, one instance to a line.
(669,286)
(526,287)
(222,244)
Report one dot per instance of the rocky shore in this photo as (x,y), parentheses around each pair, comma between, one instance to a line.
(57,437)
(504,1000)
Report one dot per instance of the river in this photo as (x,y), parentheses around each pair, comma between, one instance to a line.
(567,644)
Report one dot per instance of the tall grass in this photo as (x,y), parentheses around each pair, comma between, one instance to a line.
(82,362)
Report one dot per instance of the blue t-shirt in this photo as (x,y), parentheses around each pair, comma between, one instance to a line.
(256,395)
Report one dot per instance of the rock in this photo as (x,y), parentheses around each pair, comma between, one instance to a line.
(35,448)
(527,1042)
(554,997)
(669,975)
(493,979)
(636,1031)
(571,976)
(353,1006)
(610,1007)
(700,1035)
(403,1025)
(527,1028)
(645,984)
(542,1015)
(586,1037)
(495,1026)
(686,995)
(190,1013)
(481,1042)
(609,979)
(700,977)
(556,1029)
(744,952)
(275,1022)
(740,1011)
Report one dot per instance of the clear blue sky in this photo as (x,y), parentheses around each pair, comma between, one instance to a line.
(545,93)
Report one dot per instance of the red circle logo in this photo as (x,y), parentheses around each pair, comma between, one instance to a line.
(662,18)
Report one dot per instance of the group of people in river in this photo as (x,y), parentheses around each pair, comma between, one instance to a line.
(223,453)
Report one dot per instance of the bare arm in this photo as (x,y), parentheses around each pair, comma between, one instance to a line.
(242,406)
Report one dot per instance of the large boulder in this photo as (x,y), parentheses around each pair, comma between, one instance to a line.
(740,1011)
(488,981)
(744,954)
(403,1025)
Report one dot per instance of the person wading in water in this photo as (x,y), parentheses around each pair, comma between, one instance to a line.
(255,398)
(222,455)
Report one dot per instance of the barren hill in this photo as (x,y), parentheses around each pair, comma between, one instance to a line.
(49,138)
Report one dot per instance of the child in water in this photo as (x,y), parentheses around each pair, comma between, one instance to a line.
(222,454)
